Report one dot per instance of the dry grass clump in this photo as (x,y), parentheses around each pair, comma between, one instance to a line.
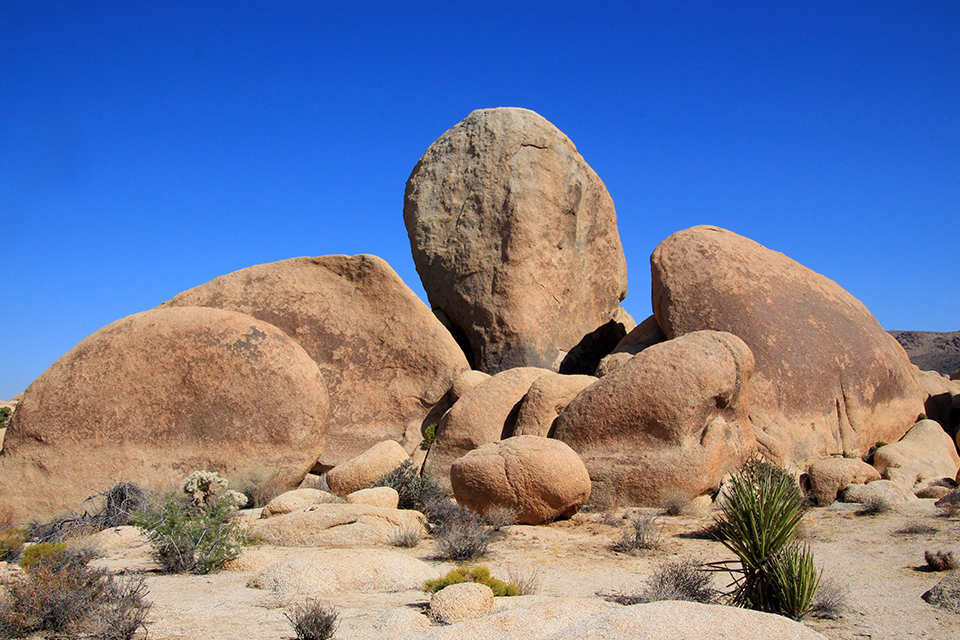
(406,536)
(676,504)
(830,601)
(526,577)
(59,593)
(313,621)
(874,506)
(642,531)
(940,560)
(461,534)
(681,580)
(499,516)
(915,528)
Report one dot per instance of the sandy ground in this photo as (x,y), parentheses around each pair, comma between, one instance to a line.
(880,571)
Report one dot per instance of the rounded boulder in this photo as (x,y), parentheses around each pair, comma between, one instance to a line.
(541,478)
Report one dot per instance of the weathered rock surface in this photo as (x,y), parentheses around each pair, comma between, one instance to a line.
(829,476)
(157,395)
(879,490)
(646,334)
(946,593)
(515,239)
(925,452)
(336,524)
(295,500)
(466,381)
(942,399)
(828,378)
(463,601)
(673,420)
(486,413)
(362,471)
(316,572)
(387,361)
(541,478)
(548,396)
(931,350)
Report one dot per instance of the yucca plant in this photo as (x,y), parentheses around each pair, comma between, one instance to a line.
(760,515)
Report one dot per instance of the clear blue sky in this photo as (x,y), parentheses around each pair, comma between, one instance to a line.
(148,147)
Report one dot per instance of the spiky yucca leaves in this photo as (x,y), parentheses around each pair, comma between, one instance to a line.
(760,515)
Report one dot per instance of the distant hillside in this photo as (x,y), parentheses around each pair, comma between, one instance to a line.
(931,351)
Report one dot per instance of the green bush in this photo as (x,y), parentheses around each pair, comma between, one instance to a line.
(61,594)
(41,551)
(429,435)
(415,491)
(5,415)
(191,537)
(480,575)
(760,515)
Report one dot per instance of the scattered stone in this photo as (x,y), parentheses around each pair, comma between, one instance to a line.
(362,471)
(946,593)
(332,524)
(515,240)
(156,395)
(674,419)
(540,478)
(376,496)
(296,500)
(547,398)
(462,601)
(353,315)
(829,476)
(925,452)
(931,491)
(486,413)
(829,380)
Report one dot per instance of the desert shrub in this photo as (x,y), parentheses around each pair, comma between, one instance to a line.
(415,491)
(940,560)
(526,577)
(874,506)
(676,504)
(461,534)
(40,551)
(111,508)
(681,580)
(480,575)
(500,515)
(915,528)
(11,543)
(830,601)
(642,531)
(429,435)
(191,537)
(760,513)
(5,414)
(406,536)
(63,595)
(313,621)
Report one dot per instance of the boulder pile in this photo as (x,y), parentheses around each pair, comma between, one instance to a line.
(539,388)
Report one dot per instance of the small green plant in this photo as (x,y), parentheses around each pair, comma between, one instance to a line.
(760,515)
(415,491)
(313,621)
(40,551)
(5,414)
(11,543)
(61,594)
(198,534)
(641,532)
(429,435)
(478,574)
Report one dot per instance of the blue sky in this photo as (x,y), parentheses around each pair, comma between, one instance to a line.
(146,148)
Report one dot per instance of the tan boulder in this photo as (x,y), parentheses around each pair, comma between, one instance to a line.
(671,421)
(326,572)
(377,496)
(486,413)
(159,394)
(646,334)
(547,398)
(362,471)
(609,364)
(924,453)
(334,524)
(462,601)
(515,239)
(540,478)
(387,361)
(829,380)
(295,500)
(466,381)
(830,476)
(940,395)
(886,491)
